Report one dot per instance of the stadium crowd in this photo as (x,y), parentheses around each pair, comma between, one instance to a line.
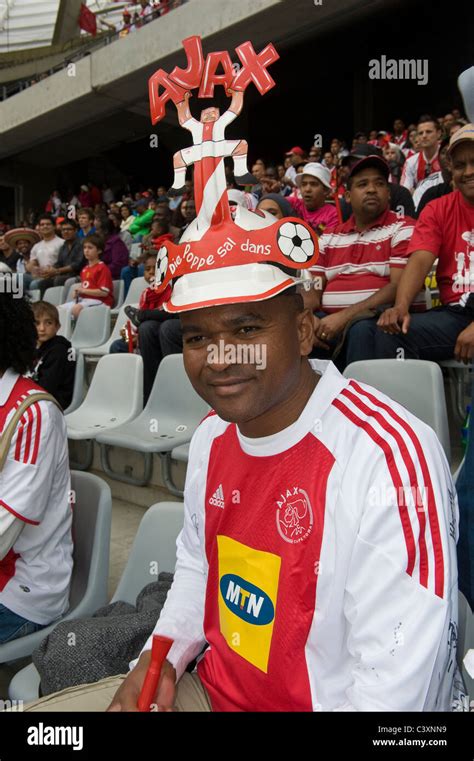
(390,210)
(369,203)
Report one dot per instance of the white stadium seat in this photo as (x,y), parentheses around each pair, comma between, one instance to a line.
(115,397)
(92,327)
(172,414)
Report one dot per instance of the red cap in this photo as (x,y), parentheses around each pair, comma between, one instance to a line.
(299,151)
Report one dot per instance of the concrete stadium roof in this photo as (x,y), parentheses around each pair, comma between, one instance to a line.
(29,24)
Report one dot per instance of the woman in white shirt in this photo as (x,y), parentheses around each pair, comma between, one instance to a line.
(127,217)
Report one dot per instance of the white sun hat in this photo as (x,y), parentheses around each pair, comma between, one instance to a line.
(229,285)
(315,170)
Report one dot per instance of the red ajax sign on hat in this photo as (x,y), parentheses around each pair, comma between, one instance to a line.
(219,259)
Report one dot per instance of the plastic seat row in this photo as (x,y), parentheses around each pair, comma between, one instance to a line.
(155,539)
(59,294)
(112,414)
(92,333)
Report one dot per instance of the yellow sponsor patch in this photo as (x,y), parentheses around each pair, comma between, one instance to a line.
(248,589)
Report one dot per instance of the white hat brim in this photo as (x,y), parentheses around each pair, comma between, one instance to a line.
(229,285)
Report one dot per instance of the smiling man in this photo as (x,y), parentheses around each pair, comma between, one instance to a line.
(320,517)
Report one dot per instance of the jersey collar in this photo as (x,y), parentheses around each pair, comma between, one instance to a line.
(330,385)
(379,222)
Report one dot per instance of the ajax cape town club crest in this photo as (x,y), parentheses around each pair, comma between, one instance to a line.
(294,515)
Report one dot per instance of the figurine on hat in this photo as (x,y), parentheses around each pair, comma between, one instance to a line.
(221,259)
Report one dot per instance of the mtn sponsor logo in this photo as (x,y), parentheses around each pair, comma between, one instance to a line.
(247,601)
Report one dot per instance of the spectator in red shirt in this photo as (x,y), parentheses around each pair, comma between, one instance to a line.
(150,302)
(95,194)
(419,166)
(145,14)
(96,286)
(296,157)
(444,232)
(328,160)
(159,234)
(400,134)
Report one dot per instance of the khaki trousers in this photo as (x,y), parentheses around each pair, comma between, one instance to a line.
(190,696)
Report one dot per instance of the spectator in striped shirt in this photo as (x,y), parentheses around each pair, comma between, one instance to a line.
(360,263)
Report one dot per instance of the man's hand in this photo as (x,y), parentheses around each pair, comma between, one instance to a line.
(395,320)
(48,272)
(270,185)
(126,697)
(464,349)
(316,341)
(331,326)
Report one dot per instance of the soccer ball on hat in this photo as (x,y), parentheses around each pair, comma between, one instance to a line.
(295,242)
(161,266)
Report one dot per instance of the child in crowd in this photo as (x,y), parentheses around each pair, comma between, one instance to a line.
(159,234)
(96,286)
(54,363)
(149,308)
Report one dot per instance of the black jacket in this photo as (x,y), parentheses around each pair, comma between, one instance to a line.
(437,191)
(54,369)
(72,257)
(10,261)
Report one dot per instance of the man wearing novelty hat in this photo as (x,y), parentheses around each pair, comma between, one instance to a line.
(316,567)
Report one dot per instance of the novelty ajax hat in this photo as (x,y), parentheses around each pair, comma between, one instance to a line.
(220,259)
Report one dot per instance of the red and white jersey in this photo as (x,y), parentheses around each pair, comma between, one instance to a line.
(99,277)
(146,11)
(35,487)
(356,263)
(445,228)
(319,563)
(400,140)
(417,168)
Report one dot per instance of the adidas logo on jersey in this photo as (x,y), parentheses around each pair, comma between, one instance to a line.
(217,498)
